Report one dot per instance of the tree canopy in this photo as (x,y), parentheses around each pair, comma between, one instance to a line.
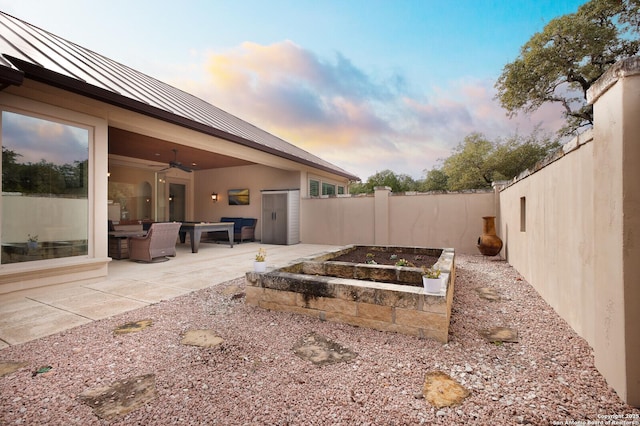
(478,162)
(559,64)
(475,163)
(397,183)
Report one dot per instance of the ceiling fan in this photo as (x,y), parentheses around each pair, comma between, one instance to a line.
(176,164)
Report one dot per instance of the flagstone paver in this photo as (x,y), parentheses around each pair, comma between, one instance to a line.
(500,334)
(320,350)
(133,327)
(440,390)
(488,293)
(121,397)
(8,367)
(202,338)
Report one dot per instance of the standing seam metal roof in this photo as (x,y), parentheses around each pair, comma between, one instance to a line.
(30,52)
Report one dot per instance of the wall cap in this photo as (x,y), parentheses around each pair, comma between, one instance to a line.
(621,69)
(574,144)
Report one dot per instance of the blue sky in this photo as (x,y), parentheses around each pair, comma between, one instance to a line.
(366,84)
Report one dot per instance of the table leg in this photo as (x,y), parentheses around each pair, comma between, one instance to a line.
(230,231)
(195,235)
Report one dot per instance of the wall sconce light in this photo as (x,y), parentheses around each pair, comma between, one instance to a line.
(170,197)
(214,197)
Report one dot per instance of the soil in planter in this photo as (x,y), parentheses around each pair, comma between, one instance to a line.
(389,257)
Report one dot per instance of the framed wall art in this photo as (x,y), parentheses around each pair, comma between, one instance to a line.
(238,197)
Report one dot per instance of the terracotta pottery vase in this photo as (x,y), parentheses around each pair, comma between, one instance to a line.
(489,243)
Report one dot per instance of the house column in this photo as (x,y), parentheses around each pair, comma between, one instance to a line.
(616,235)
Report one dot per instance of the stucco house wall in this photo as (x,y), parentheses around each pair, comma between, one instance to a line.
(255,178)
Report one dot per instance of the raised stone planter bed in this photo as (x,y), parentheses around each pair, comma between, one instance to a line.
(305,287)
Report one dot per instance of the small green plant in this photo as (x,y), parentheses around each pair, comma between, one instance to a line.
(370,259)
(262,255)
(31,239)
(405,262)
(431,272)
(393,257)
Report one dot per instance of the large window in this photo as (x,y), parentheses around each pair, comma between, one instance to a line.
(45,207)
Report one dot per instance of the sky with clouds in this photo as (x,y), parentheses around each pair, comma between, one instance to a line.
(365,84)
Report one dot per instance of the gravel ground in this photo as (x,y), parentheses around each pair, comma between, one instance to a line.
(255,378)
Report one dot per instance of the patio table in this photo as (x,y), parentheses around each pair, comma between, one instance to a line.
(195,230)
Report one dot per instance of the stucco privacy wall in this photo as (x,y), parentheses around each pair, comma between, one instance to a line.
(427,220)
(581,243)
(553,248)
(616,100)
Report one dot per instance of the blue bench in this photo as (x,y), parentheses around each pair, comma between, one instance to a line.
(244,228)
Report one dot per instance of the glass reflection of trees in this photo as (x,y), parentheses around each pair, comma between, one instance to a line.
(44,177)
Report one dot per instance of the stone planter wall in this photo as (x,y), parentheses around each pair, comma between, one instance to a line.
(381,306)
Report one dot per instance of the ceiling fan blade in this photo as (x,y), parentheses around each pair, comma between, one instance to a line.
(175,163)
(180,166)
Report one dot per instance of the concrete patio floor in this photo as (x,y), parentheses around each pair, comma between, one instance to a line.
(31,314)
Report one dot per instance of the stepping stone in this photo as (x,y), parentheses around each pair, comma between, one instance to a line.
(234,291)
(500,334)
(440,390)
(231,290)
(321,351)
(132,327)
(121,397)
(8,367)
(202,338)
(488,293)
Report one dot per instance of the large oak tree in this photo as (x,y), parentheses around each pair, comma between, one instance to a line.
(559,64)
(477,162)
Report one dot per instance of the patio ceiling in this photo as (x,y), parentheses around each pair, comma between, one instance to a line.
(134,145)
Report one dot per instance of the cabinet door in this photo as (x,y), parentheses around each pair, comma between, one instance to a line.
(267,219)
(274,218)
(280,221)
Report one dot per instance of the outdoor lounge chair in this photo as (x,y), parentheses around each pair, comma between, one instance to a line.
(159,242)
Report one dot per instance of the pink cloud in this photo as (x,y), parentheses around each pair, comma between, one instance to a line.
(340,113)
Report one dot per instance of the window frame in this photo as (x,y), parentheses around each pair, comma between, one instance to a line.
(339,188)
(97,133)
